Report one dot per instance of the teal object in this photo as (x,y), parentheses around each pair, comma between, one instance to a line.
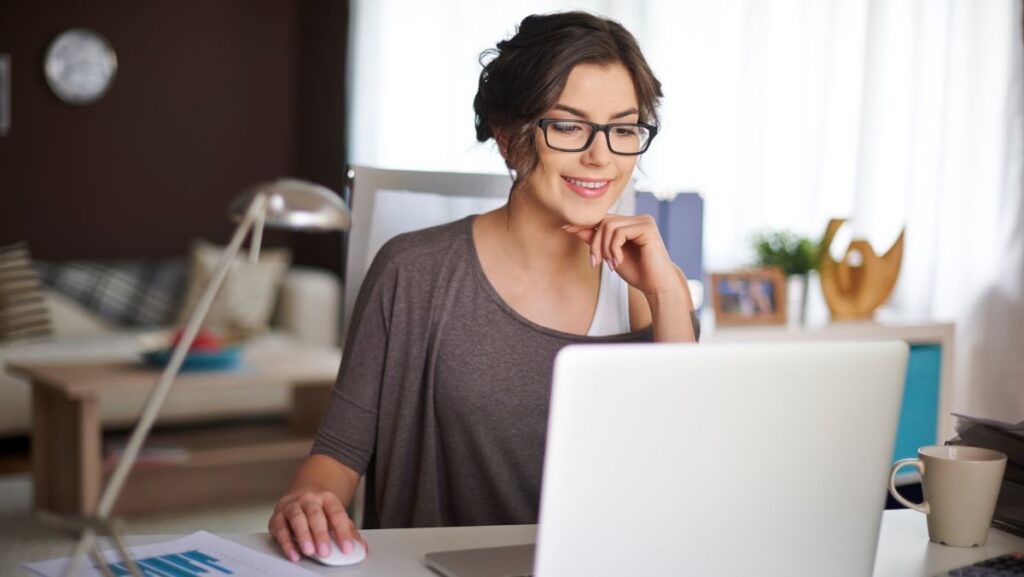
(919,417)
(222,360)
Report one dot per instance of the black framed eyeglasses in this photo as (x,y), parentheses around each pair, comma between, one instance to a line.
(626,138)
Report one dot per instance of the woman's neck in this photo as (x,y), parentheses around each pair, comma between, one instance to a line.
(533,240)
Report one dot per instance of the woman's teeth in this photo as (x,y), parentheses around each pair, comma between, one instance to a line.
(588,183)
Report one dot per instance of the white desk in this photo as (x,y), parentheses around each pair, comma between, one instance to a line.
(903,550)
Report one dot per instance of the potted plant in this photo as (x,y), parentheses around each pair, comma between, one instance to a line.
(796,255)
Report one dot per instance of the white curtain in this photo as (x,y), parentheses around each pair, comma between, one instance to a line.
(783,114)
(414,71)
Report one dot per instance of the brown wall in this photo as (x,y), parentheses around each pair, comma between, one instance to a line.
(209,98)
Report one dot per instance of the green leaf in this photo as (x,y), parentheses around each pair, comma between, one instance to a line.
(784,249)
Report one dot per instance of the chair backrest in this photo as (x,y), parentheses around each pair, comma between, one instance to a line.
(386,203)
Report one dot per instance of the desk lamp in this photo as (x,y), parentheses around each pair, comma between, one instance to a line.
(285,203)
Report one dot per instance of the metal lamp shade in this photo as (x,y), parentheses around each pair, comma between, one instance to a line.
(296,204)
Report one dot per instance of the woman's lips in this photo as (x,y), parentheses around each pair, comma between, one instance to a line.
(587,188)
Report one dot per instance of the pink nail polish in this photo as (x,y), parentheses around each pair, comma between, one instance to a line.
(346,546)
(593,261)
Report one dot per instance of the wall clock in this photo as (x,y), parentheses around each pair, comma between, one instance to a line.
(80,66)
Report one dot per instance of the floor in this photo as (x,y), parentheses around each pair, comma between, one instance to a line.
(21,533)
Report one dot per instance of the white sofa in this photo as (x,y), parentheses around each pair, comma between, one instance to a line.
(308,312)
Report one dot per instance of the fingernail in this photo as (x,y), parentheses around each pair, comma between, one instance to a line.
(325,549)
(347,546)
(294,557)
(307,548)
(611,265)
(565,226)
(593,260)
(615,263)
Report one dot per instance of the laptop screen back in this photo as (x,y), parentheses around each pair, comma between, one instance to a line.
(767,459)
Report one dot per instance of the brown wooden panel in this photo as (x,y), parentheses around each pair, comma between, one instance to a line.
(209,99)
(309,402)
(65,452)
(156,488)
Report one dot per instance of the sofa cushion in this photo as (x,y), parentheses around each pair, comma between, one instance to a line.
(72,320)
(23,312)
(246,300)
(127,293)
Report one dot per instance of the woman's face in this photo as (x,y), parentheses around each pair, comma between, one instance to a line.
(580,187)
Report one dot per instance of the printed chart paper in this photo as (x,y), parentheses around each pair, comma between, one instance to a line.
(200,553)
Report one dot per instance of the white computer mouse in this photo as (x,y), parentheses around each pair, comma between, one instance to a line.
(338,559)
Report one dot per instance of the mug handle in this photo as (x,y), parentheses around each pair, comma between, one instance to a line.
(923,506)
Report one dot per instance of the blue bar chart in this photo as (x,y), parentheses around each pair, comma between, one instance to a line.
(200,554)
(185,564)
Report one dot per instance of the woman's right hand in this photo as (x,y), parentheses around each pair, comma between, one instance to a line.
(307,519)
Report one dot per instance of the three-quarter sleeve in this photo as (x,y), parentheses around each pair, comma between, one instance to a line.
(348,429)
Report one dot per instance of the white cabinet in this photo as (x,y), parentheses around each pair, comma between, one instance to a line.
(927,397)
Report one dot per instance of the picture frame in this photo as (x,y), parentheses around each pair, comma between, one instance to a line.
(749,297)
(5,94)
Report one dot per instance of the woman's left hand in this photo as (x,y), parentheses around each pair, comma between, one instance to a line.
(633,248)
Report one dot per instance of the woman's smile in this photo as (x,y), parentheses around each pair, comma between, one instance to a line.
(588,188)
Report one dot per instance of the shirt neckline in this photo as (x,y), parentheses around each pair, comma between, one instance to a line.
(485,282)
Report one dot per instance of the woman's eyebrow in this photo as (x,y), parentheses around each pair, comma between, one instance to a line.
(626,112)
(580,113)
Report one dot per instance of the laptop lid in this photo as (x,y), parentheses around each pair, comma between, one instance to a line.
(755,459)
(512,561)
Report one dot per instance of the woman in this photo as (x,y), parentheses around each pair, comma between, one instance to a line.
(442,397)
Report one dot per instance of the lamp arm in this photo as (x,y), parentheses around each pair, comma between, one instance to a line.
(156,397)
(257,234)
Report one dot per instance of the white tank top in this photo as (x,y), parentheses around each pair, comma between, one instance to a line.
(611,317)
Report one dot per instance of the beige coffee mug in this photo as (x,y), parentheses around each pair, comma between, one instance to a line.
(961,486)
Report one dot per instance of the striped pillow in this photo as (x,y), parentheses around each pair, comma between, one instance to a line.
(23,312)
(130,293)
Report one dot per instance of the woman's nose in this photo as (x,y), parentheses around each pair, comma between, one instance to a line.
(598,153)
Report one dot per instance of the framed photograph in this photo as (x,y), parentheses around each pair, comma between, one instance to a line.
(5,94)
(749,297)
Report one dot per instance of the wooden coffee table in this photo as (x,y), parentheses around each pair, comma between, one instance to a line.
(220,464)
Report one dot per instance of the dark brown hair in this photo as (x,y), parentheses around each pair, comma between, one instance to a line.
(524,75)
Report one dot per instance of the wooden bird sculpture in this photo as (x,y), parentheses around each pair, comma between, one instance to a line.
(854,290)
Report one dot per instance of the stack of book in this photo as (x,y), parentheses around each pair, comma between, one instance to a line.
(1008,439)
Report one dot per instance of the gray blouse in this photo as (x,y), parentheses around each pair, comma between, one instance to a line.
(442,397)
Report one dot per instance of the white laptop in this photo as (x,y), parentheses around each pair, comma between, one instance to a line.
(760,459)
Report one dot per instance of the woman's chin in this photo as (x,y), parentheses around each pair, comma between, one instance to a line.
(589,220)
(586,213)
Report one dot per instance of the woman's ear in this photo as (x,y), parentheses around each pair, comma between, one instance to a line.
(502,141)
